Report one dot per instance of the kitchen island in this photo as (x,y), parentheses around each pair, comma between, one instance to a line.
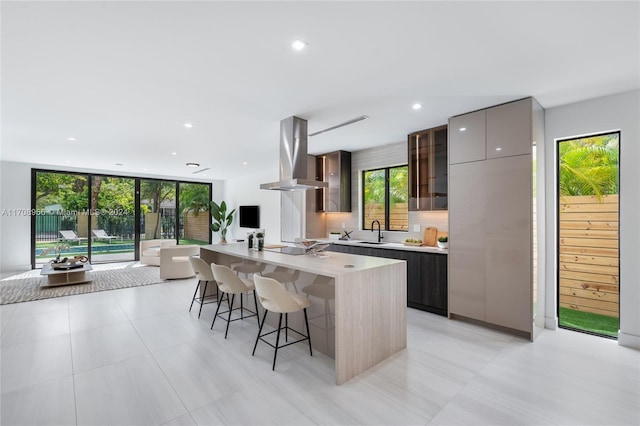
(369,323)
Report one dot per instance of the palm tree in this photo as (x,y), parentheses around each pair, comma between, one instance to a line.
(589,166)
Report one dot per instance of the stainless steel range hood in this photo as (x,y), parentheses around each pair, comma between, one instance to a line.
(293,158)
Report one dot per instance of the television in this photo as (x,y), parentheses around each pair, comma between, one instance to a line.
(249,216)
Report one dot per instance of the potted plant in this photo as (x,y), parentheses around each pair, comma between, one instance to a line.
(443,242)
(221,220)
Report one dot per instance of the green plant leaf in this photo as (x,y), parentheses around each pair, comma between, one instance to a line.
(215,211)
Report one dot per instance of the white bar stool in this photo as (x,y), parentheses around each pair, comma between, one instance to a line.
(230,283)
(203,273)
(275,298)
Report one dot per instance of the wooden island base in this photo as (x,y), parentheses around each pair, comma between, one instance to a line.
(370,318)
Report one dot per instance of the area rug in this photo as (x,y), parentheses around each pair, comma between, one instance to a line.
(26,287)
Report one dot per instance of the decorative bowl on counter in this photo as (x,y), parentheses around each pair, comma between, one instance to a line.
(413,242)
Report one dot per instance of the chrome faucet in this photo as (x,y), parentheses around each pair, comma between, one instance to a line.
(380,237)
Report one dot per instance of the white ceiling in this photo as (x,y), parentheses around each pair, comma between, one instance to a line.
(123,77)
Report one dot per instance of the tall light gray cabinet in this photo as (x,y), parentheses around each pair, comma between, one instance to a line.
(491,203)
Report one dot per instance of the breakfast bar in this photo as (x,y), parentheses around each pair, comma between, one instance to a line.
(369,321)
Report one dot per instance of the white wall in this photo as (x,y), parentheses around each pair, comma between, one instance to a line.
(616,112)
(15,193)
(394,154)
(246,191)
(15,231)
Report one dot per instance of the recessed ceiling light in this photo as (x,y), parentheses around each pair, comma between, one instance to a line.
(298,45)
(146,170)
(174,153)
(416,106)
(498,149)
(193,165)
(68,161)
(71,139)
(188,125)
(462,129)
(118,164)
(244,163)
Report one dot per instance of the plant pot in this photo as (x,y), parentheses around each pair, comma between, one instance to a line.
(443,245)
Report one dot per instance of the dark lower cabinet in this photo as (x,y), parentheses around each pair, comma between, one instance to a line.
(426,275)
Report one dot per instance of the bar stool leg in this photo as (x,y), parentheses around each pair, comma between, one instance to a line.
(194,296)
(204,293)
(218,309)
(286,327)
(275,353)
(259,333)
(255,300)
(230,310)
(306,321)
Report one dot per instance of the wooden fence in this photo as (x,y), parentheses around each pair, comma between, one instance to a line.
(588,258)
(398,216)
(196,227)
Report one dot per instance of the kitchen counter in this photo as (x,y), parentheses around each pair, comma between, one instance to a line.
(386,245)
(369,295)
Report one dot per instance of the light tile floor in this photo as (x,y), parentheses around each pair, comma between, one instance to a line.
(136,356)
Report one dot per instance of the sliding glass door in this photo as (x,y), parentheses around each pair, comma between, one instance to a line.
(104,217)
(59,215)
(157,209)
(112,217)
(194,213)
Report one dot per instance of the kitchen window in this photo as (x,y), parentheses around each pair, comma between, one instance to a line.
(385,195)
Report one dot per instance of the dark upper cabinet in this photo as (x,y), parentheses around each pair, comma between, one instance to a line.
(334,168)
(428,169)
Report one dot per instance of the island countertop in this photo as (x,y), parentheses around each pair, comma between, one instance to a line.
(332,265)
(368,294)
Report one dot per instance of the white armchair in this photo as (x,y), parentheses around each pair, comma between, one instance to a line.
(174,261)
(150,250)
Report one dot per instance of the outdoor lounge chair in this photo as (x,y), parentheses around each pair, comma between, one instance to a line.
(70,236)
(101,234)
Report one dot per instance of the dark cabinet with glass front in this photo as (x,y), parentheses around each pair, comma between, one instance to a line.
(335,169)
(428,169)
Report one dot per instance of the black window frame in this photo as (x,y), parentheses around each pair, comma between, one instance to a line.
(137,181)
(387,204)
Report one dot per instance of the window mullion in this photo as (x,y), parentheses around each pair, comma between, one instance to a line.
(387,216)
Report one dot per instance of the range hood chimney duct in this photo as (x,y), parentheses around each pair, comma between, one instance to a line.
(293,158)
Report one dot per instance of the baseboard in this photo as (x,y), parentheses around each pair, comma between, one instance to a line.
(520,333)
(14,269)
(551,323)
(628,340)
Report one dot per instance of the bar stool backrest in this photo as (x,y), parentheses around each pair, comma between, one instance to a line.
(274,297)
(201,268)
(228,281)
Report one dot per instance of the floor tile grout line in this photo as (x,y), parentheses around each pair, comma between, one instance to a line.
(161,370)
(73,374)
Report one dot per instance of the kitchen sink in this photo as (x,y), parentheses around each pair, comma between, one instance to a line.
(372,242)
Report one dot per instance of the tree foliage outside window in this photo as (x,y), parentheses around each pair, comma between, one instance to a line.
(68,190)
(589,166)
(385,195)
(194,197)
